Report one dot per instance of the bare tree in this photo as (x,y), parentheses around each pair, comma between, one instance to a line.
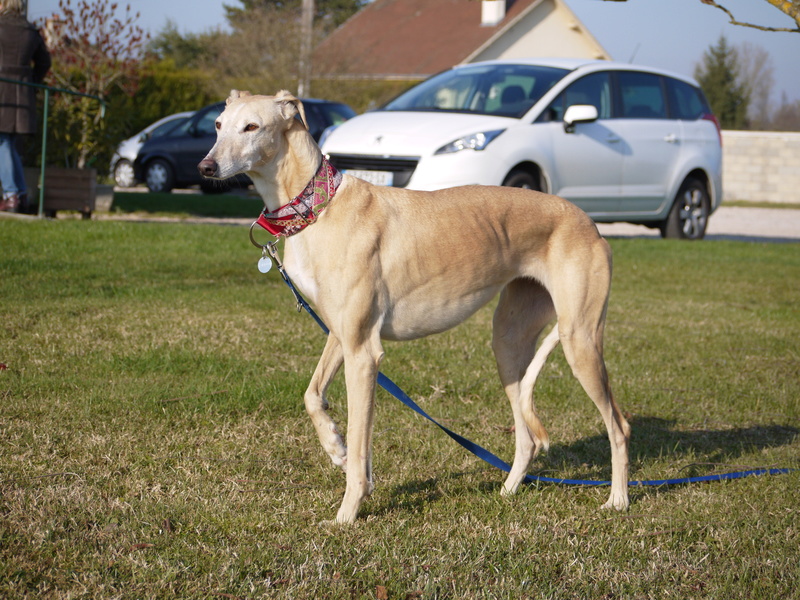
(757,76)
(306,31)
(790,8)
(261,55)
(787,116)
(94,53)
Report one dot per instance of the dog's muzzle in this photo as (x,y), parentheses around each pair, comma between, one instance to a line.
(208,167)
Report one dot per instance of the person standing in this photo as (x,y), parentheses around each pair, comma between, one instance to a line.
(24,57)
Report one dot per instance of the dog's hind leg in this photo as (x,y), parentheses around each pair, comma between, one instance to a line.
(317,404)
(580,299)
(522,312)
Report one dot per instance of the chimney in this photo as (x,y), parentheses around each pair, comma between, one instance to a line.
(492,12)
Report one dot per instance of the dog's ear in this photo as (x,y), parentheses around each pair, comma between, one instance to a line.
(289,106)
(236,94)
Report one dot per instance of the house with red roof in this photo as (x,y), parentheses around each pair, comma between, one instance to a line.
(413,39)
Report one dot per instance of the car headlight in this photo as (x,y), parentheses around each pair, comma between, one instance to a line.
(475,141)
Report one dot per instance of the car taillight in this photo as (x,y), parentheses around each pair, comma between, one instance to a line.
(711,117)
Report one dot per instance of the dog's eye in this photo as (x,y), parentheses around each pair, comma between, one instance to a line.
(250,127)
(218,125)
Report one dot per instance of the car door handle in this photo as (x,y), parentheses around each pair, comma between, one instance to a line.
(612,139)
(671,139)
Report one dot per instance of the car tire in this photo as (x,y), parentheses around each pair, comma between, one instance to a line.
(159,176)
(123,173)
(688,217)
(521,179)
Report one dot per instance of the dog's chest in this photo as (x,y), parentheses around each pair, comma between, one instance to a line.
(300,271)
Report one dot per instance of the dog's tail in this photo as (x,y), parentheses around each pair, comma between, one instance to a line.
(541,438)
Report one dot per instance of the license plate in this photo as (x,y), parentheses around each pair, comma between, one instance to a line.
(373,177)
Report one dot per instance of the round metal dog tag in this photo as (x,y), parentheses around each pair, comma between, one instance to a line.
(264,264)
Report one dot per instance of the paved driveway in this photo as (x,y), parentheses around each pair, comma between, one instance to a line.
(730,223)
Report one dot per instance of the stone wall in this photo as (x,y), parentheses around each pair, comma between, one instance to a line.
(761,166)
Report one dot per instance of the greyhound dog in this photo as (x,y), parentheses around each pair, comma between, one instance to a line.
(382,263)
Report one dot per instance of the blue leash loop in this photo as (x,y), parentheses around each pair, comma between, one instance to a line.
(481,452)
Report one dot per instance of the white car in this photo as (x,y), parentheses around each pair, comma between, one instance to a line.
(122,161)
(623,142)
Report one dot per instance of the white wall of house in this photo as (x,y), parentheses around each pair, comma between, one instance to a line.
(550,29)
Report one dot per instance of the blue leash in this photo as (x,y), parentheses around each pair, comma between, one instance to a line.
(481,452)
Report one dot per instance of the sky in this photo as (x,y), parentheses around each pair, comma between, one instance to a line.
(671,34)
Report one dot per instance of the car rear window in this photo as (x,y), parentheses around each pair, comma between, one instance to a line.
(685,100)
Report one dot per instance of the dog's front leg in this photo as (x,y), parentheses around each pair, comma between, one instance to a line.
(317,404)
(361,373)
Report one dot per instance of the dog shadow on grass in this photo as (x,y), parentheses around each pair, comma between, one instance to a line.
(692,452)
(656,438)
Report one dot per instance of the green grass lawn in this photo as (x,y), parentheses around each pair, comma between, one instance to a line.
(153,441)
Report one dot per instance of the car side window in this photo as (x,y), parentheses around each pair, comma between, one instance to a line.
(315,122)
(685,100)
(594,89)
(641,96)
(205,124)
(181,129)
(337,114)
(165,128)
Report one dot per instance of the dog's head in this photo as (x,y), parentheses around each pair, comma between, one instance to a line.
(287,104)
(251,132)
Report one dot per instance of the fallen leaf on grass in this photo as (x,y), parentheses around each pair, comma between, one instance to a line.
(141,546)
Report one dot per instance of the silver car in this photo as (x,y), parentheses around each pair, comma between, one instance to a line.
(623,142)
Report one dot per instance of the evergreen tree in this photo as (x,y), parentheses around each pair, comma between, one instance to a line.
(720,77)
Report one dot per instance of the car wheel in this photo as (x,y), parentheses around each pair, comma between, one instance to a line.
(688,217)
(521,179)
(159,177)
(123,173)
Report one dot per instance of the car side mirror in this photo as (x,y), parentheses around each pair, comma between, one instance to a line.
(579,113)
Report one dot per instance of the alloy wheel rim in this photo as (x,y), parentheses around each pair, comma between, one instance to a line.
(693,217)
(156,176)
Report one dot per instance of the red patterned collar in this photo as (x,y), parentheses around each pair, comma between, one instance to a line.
(301,212)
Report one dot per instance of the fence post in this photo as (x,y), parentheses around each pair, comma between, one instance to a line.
(40,213)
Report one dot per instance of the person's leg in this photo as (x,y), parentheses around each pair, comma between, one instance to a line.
(7,164)
(12,177)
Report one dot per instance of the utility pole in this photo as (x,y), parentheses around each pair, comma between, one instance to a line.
(306,33)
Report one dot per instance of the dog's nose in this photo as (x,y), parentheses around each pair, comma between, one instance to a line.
(207,167)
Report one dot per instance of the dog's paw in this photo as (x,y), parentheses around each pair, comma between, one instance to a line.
(507,492)
(620,503)
(329,524)
(340,461)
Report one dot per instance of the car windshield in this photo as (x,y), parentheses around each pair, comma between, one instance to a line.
(504,90)
(165,128)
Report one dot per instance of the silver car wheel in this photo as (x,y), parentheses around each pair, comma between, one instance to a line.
(693,214)
(688,217)
(123,173)
(158,176)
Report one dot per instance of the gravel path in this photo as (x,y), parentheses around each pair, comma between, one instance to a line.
(730,223)
(777,225)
